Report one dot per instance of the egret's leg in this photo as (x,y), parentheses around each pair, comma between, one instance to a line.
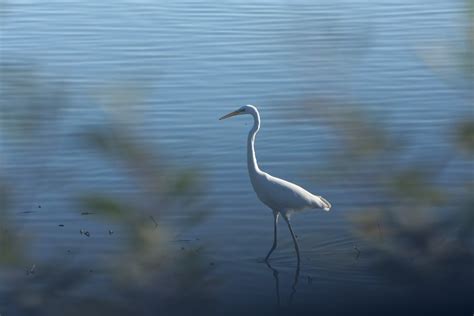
(287,220)
(275,222)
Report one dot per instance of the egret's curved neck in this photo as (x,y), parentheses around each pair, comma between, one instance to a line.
(251,158)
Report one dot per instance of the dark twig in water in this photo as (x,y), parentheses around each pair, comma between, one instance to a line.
(87,213)
(380,230)
(31,270)
(358,252)
(153,219)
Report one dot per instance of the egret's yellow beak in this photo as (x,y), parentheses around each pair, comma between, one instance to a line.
(230,115)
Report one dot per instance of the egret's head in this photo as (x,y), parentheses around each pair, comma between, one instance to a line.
(246,109)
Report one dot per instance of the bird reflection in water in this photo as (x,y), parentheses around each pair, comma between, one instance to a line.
(276,276)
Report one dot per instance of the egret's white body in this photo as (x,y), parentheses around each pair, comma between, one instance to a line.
(281,196)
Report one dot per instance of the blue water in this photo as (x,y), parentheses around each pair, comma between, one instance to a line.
(164,72)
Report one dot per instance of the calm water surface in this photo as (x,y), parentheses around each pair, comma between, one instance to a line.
(163,73)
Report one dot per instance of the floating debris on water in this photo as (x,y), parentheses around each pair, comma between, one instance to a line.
(61,225)
(153,219)
(87,213)
(358,252)
(85,232)
(31,270)
(111,232)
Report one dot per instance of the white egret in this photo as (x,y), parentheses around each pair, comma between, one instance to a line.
(282,197)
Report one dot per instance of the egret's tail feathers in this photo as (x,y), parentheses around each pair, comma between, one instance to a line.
(327,205)
(323,203)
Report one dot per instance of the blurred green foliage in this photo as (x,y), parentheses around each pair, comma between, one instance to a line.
(406,235)
(29,104)
(416,227)
(10,245)
(32,106)
(465,136)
